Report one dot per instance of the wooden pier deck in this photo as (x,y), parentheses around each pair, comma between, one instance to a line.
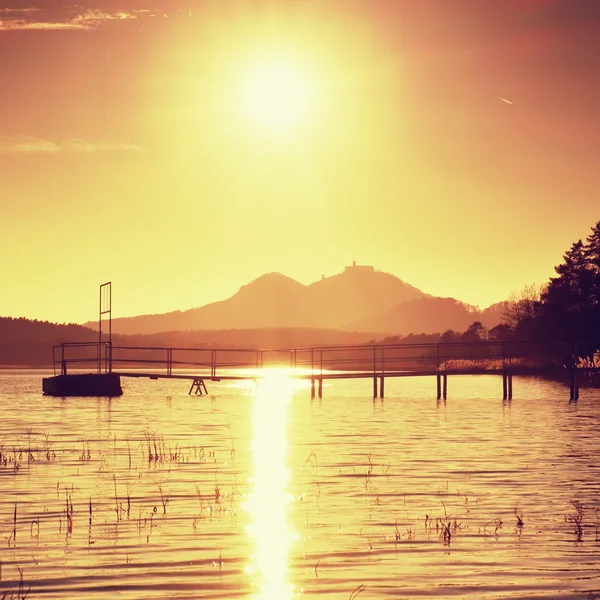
(318,364)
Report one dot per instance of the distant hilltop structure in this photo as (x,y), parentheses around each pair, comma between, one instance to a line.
(354,268)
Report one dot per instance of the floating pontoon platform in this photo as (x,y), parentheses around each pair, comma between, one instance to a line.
(93,384)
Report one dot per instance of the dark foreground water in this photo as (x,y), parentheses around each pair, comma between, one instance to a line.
(261,493)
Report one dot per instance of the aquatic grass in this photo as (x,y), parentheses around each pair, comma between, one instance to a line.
(35,522)
(69,512)
(448,527)
(118,513)
(489,364)
(576,519)
(368,474)
(200,500)
(30,456)
(312,459)
(48,452)
(13,535)
(163,499)
(20,593)
(232,449)
(129,489)
(519,516)
(129,454)
(316,568)
(86,452)
(497,526)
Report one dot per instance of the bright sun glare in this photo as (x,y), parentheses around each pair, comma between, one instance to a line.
(269,500)
(276,94)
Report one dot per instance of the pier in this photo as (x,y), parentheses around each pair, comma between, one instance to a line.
(377,363)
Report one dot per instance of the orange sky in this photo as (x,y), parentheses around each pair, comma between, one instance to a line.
(126,151)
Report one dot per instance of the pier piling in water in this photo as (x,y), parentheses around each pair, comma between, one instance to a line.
(574,385)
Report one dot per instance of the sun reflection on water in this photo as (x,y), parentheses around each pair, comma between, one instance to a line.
(269,498)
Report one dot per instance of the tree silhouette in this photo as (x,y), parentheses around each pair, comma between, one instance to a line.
(475,332)
(501,333)
(568,307)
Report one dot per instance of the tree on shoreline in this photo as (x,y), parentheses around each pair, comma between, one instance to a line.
(568,307)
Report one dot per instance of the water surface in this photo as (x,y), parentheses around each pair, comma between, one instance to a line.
(259,492)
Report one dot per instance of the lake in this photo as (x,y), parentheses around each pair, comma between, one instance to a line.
(259,492)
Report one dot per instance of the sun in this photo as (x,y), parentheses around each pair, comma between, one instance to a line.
(276,95)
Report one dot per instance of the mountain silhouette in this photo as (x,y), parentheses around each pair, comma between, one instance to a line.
(275,300)
(358,299)
(358,292)
(431,314)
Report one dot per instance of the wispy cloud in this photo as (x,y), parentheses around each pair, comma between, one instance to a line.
(67,18)
(31,145)
(18,11)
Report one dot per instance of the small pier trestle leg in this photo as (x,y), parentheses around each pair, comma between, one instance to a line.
(439,386)
(504,387)
(198,387)
(312,389)
(320,387)
(374,386)
(445,384)
(381,387)
(510,378)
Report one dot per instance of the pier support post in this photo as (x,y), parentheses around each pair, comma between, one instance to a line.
(504,387)
(375,386)
(198,387)
(320,387)
(312,389)
(574,385)
(510,379)
(381,387)
(445,382)
(439,386)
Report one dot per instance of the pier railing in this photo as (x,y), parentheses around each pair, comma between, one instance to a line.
(329,361)
(82,356)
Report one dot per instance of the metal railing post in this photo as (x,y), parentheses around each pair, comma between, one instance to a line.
(374,360)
